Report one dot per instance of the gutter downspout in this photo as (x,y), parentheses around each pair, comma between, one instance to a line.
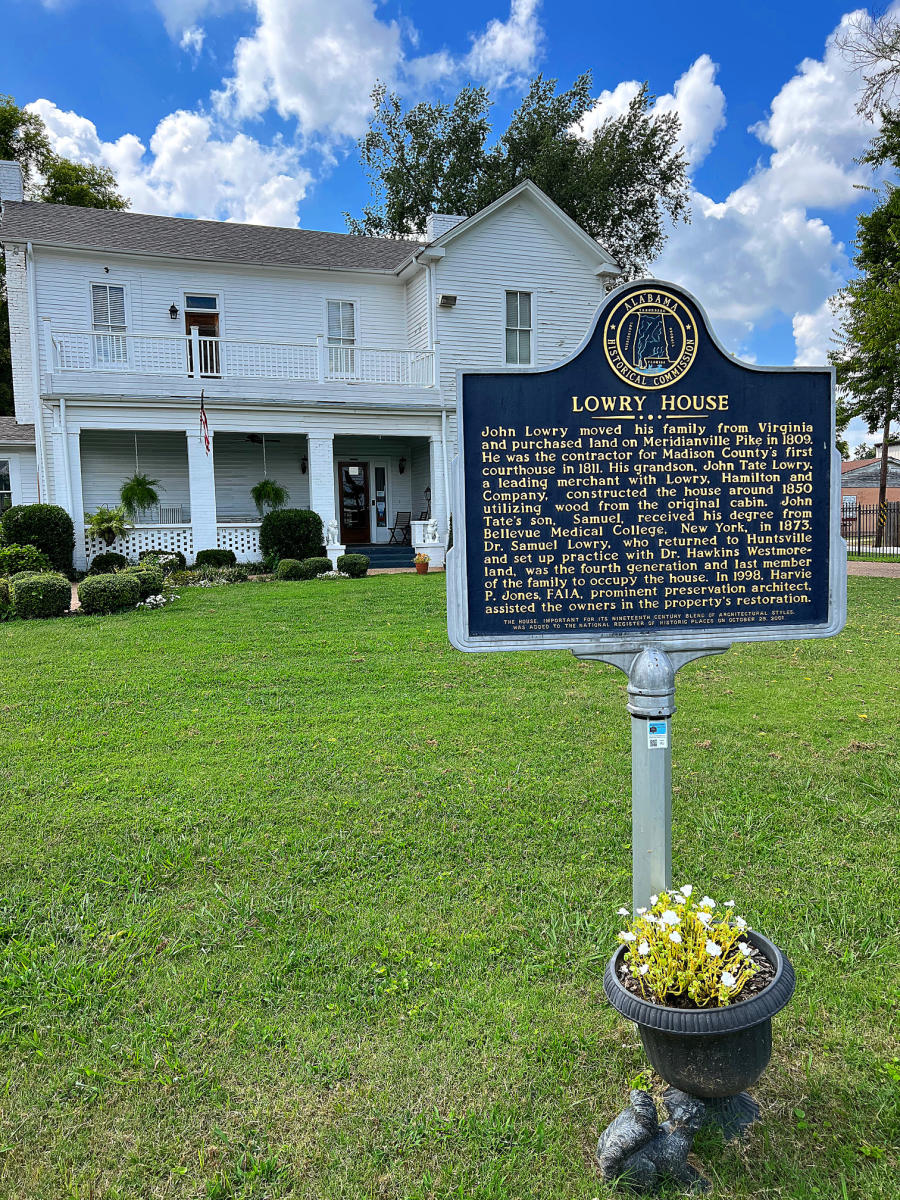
(43,489)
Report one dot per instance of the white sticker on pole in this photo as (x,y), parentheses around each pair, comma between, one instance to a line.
(658,735)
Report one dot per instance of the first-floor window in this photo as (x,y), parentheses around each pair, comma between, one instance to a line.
(108,315)
(5,486)
(518,329)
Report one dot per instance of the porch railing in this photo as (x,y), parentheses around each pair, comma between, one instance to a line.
(181,355)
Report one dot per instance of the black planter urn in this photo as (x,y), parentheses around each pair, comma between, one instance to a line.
(711,1053)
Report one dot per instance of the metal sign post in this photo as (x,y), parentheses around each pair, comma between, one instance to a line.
(646,502)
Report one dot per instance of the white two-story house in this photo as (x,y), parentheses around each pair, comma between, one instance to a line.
(324,361)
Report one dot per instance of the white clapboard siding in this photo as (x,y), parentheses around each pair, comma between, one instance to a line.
(417,312)
(420,478)
(517,249)
(238,465)
(108,459)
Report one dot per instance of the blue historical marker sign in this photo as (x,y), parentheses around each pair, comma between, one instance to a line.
(649,488)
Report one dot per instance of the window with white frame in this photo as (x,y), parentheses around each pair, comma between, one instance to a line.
(5,486)
(341,320)
(108,316)
(518,329)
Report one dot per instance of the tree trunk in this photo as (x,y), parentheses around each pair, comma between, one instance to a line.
(882,482)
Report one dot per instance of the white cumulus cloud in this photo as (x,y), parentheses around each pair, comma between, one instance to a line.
(189,169)
(507,52)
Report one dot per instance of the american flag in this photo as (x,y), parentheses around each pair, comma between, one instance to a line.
(204,425)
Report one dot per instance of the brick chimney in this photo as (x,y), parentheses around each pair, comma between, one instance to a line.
(10,181)
(437,224)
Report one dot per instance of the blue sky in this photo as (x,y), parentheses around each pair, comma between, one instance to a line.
(249,110)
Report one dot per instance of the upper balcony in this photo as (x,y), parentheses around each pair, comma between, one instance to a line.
(82,361)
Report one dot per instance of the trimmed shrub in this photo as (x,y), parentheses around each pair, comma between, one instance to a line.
(289,568)
(290,533)
(109,593)
(107,563)
(5,601)
(215,558)
(40,594)
(45,526)
(149,577)
(354,565)
(14,559)
(169,560)
(311,567)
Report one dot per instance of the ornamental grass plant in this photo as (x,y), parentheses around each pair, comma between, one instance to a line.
(685,953)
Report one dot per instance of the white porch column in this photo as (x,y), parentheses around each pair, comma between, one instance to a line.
(321,491)
(202,482)
(73,449)
(439,511)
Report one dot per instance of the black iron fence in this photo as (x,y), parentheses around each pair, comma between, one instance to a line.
(872,530)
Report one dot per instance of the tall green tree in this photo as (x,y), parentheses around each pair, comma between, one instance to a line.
(868,358)
(47,177)
(620,183)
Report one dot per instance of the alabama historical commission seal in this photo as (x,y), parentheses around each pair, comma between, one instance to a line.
(650,338)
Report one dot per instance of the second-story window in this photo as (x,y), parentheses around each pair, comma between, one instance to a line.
(202,313)
(341,337)
(108,317)
(518,329)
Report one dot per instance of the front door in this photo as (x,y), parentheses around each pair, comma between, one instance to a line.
(354,479)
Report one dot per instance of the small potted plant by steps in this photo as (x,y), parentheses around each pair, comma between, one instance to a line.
(422,561)
(702,988)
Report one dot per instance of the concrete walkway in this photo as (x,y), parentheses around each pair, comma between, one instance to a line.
(882,570)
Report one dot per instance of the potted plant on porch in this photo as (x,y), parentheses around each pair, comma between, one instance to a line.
(702,988)
(422,561)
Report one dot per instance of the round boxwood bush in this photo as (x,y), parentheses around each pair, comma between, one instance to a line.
(289,568)
(46,526)
(14,559)
(290,533)
(215,558)
(109,593)
(107,563)
(5,600)
(354,565)
(169,560)
(149,577)
(40,594)
(311,567)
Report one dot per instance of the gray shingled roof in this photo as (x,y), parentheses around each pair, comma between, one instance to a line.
(214,241)
(868,474)
(10,431)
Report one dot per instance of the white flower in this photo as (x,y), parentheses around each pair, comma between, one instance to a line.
(728,979)
(729,904)
(686,888)
(652,920)
(744,949)
(645,967)
(707,902)
(654,899)
(627,936)
(740,922)
(623,912)
(670,918)
(713,949)
(704,918)
(644,948)
(641,912)
(675,936)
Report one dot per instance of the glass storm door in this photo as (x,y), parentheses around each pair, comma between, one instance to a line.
(354,503)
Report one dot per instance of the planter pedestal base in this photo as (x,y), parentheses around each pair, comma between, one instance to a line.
(641,1152)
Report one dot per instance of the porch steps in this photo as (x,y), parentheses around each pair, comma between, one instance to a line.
(386,556)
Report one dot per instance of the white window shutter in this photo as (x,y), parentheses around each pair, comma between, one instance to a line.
(117,306)
(100,303)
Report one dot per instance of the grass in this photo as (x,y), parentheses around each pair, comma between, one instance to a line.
(298,901)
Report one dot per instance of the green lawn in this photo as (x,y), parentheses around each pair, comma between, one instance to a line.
(299,901)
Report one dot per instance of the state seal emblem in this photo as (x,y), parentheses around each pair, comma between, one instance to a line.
(650,338)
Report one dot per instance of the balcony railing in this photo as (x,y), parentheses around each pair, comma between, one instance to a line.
(187,356)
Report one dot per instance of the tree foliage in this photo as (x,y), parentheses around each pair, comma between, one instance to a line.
(53,179)
(620,182)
